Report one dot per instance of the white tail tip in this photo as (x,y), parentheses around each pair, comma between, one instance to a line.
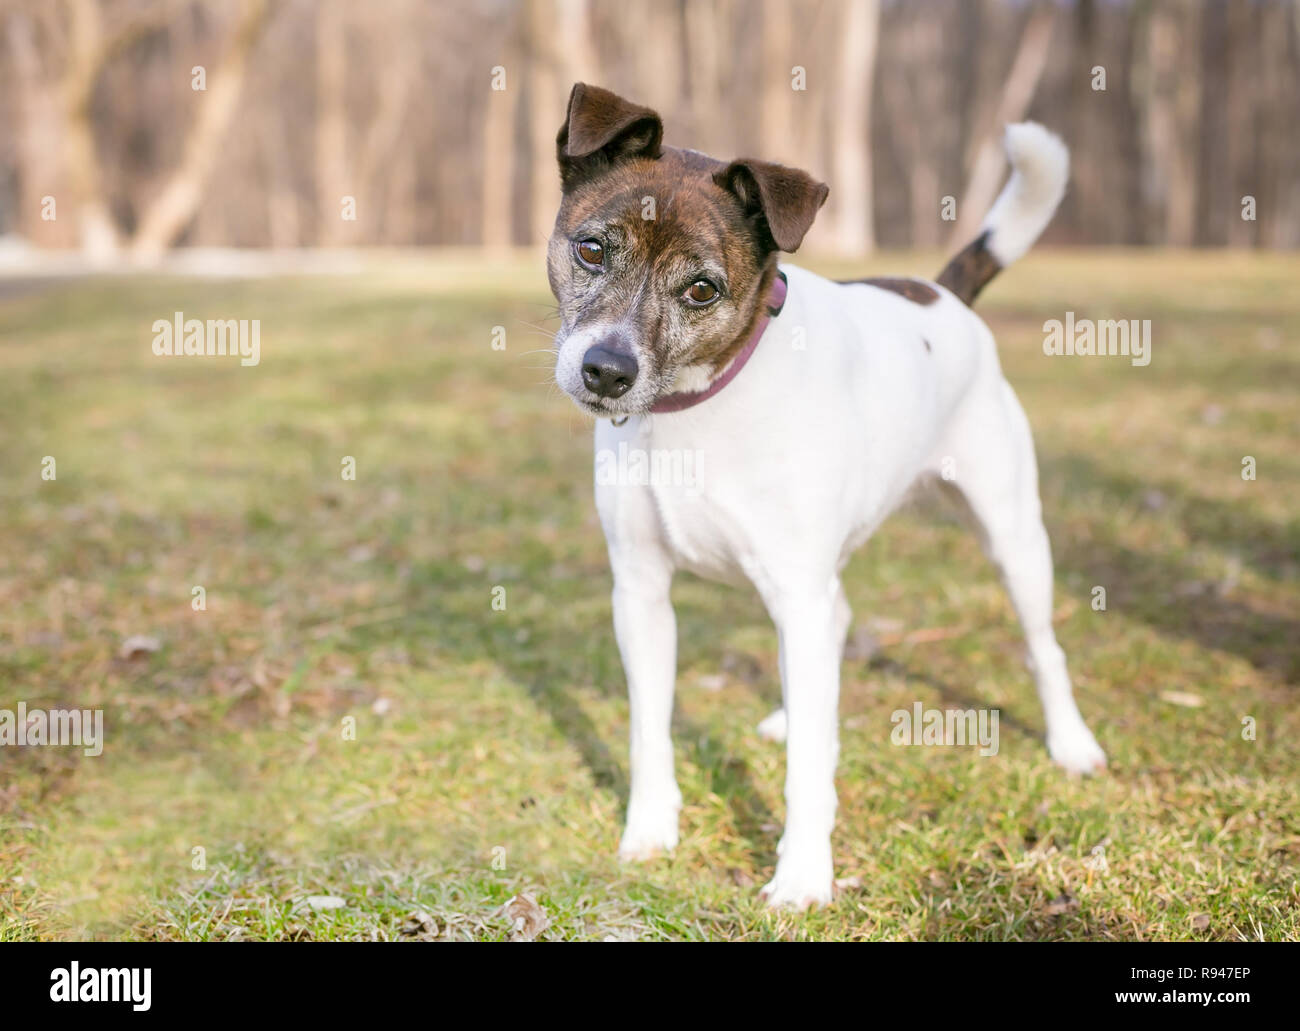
(1040,168)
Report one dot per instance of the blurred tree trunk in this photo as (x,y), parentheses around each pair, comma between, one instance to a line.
(167,217)
(546,94)
(966,68)
(1017,93)
(577,45)
(352,159)
(1130,226)
(660,78)
(400,223)
(1241,103)
(815,52)
(394,87)
(1086,176)
(283,223)
(88,51)
(1279,149)
(776,95)
(1212,195)
(707,67)
(926,43)
(1171,122)
(499,151)
(913,100)
(40,127)
(331,143)
(852,213)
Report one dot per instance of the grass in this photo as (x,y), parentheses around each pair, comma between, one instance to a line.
(489,755)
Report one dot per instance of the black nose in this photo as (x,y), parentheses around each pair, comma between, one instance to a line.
(608,373)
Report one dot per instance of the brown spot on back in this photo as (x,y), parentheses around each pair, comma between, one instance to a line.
(912,289)
(970,269)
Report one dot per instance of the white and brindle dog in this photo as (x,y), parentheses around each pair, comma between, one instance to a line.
(816,406)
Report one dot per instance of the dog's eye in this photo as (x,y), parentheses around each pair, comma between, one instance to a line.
(591,254)
(702,292)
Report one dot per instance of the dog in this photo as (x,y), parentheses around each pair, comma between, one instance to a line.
(817,406)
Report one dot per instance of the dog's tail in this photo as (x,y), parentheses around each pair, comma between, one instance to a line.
(1040,165)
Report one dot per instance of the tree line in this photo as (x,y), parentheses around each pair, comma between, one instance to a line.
(128,127)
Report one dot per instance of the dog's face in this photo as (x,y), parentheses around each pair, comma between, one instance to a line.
(661,259)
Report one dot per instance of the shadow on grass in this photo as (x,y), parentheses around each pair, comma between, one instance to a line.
(552,674)
(1165,589)
(953,698)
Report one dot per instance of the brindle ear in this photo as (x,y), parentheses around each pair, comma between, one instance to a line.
(784,200)
(602,128)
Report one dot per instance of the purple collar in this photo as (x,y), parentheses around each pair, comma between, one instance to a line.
(682,400)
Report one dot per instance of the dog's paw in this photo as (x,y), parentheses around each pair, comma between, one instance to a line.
(802,879)
(1076,751)
(641,843)
(773,727)
(651,828)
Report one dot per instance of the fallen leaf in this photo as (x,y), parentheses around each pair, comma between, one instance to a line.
(321,902)
(137,645)
(1066,903)
(1190,701)
(1201,922)
(527,918)
(420,925)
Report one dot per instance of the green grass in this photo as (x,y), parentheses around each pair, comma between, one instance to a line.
(490,757)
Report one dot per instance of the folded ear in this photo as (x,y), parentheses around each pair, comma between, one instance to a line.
(784,200)
(602,128)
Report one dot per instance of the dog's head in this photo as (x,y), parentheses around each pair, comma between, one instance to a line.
(661,259)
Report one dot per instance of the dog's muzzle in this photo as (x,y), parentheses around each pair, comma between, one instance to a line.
(608,371)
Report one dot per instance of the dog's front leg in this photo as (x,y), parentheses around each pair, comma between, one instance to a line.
(647,640)
(811,634)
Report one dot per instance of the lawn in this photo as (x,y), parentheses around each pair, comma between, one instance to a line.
(351,740)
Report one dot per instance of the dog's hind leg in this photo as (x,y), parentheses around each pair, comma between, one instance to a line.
(991,465)
(773,726)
